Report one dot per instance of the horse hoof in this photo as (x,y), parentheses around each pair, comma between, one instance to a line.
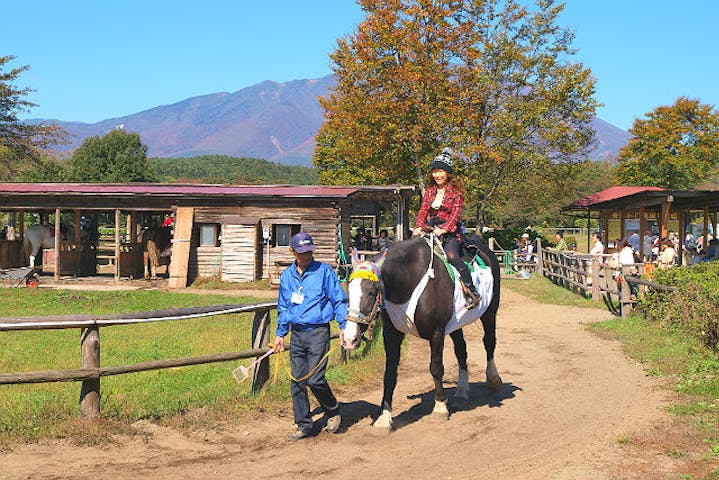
(383,422)
(461,398)
(440,412)
(494,382)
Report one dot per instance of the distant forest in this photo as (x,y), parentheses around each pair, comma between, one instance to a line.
(230,170)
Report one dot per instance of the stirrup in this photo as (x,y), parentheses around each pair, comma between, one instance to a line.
(471,299)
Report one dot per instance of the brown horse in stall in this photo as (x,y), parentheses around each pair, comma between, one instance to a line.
(156,248)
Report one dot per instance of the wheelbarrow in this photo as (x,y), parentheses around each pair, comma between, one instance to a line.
(14,277)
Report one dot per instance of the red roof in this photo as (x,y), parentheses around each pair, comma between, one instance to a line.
(180,189)
(611,193)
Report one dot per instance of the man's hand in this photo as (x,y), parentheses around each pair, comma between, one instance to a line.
(279,344)
(417,231)
(439,231)
(342,338)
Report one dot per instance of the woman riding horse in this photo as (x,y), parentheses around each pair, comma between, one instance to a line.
(441,212)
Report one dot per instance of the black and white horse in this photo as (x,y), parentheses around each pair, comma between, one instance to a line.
(422,298)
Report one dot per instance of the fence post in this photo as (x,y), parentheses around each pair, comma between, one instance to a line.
(90,390)
(626,294)
(540,263)
(260,338)
(595,278)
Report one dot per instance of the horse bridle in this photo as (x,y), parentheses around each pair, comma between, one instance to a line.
(359,317)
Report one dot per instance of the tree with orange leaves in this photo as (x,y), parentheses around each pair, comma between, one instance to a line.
(489,78)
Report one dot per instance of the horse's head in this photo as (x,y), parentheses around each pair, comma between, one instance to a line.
(365,300)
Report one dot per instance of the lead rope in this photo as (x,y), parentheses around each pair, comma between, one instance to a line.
(281,358)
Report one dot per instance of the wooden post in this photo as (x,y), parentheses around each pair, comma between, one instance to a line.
(705,229)
(622,219)
(117,245)
(642,229)
(77,227)
(260,339)
(57,244)
(180,256)
(682,253)
(540,263)
(90,391)
(625,294)
(666,210)
(596,293)
(21,224)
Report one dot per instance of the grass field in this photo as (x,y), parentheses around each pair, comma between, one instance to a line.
(32,411)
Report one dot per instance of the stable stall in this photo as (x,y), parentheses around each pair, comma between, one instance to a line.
(234,232)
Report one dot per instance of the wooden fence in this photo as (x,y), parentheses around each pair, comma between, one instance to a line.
(90,371)
(585,274)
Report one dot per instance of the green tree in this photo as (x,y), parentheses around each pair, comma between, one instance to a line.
(675,146)
(20,142)
(119,156)
(490,78)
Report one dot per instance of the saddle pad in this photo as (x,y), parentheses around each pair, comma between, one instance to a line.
(402,315)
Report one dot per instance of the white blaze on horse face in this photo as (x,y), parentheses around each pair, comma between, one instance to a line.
(354,290)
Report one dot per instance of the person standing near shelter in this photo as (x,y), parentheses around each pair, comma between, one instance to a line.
(310,297)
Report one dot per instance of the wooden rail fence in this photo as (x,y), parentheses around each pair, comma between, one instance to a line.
(585,274)
(91,372)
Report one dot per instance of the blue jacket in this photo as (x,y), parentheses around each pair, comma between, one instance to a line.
(321,295)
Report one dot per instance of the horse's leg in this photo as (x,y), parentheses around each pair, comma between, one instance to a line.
(144,261)
(33,255)
(489,322)
(460,351)
(436,368)
(392,342)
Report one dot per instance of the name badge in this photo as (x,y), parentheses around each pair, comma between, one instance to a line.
(297,298)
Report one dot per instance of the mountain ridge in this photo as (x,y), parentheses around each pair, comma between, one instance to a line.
(275,121)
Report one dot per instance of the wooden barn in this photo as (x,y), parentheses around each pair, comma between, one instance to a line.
(238,233)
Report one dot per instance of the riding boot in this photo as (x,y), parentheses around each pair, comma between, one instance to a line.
(470,291)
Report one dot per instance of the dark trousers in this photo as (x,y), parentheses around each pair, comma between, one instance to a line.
(307,347)
(451,248)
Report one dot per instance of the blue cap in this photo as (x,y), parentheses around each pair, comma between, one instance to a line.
(302,242)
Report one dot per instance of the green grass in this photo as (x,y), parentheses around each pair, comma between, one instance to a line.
(32,411)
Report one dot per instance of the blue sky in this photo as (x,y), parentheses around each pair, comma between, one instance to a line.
(92,60)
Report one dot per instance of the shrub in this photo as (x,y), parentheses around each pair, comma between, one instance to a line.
(693,307)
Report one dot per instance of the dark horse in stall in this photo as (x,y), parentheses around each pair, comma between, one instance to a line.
(396,276)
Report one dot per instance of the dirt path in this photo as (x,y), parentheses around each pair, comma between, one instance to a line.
(572,407)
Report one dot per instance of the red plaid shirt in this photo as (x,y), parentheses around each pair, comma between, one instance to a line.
(450,212)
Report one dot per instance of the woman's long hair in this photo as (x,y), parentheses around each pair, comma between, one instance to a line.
(453,182)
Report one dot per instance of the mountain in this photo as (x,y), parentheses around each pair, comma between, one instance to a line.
(270,120)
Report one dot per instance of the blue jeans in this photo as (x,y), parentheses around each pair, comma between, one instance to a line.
(307,347)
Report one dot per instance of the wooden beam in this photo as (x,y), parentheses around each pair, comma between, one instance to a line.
(57,244)
(117,245)
(180,258)
(664,220)
(642,229)
(705,229)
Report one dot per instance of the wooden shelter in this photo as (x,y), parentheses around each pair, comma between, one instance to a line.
(236,232)
(625,209)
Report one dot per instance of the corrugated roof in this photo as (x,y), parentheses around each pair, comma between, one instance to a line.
(611,193)
(181,189)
